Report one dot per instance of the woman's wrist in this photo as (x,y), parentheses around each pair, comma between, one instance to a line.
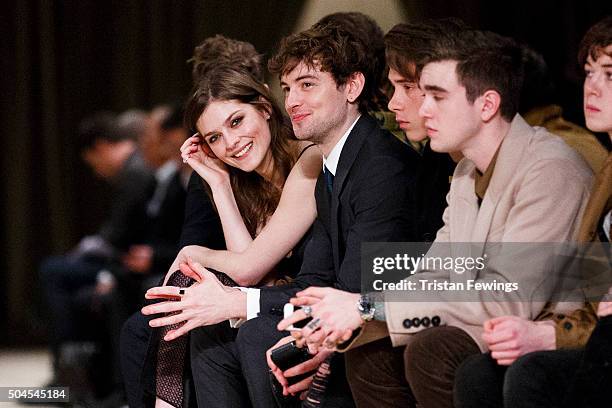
(221,188)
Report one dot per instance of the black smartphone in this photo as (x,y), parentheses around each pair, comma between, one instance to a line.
(289,355)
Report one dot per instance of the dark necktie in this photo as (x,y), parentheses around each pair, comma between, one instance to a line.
(329,179)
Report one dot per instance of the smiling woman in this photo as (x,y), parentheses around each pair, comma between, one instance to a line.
(238,134)
(261,181)
(243,133)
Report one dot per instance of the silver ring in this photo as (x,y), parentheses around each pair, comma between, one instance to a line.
(329,344)
(313,324)
(307,310)
(185,160)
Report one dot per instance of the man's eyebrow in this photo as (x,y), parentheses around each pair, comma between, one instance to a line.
(405,81)
(229,117)
(301,77)
(307,76)
(434,88)
(589,65)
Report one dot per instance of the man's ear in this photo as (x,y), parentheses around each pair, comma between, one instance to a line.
(354,86)
(490,104)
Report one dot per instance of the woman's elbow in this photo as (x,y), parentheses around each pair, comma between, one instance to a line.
(246,281)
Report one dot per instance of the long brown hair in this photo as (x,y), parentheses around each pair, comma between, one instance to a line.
(256,197)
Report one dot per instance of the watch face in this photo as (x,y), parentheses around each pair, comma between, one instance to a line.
(366,308)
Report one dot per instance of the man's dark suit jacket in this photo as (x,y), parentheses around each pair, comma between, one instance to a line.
(434,182)
(134,186)
(374,199)
(164,227)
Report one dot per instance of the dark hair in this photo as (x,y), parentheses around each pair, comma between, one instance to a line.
(220,50)
(407,45)
(333,49)
(538,87)
(485,61)
(174,117)
(596,40)
(371,35)
(132,124)
(97,127)
(256,198)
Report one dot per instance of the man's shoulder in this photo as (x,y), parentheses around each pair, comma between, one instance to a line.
(546,146)
(525,147)
(378,141)
(135,164)
(135,174)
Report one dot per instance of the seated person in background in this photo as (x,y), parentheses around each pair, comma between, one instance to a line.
(568,375)
(368,199)
(108,145)
(166,209)
(404,42)
(220,50)
(145,262)
(539,108)
(515,184)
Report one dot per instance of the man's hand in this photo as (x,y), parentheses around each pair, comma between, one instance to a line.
(204,303)
(510,337)
(334,317)
(139,258)
(605,307)
(305,367)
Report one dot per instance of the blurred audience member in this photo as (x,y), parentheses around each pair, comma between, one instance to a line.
(108,145)
(405,44)
(539,108)
(220,50)
(144,263)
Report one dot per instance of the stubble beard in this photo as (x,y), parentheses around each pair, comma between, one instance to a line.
(316,133)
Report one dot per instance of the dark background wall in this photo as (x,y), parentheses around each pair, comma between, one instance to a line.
(63,60)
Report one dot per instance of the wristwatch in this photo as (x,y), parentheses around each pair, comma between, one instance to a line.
(366,308)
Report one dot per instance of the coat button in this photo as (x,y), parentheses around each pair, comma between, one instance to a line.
(568,326)
(407,323)
(425,321)
(416,322)
(435,321)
